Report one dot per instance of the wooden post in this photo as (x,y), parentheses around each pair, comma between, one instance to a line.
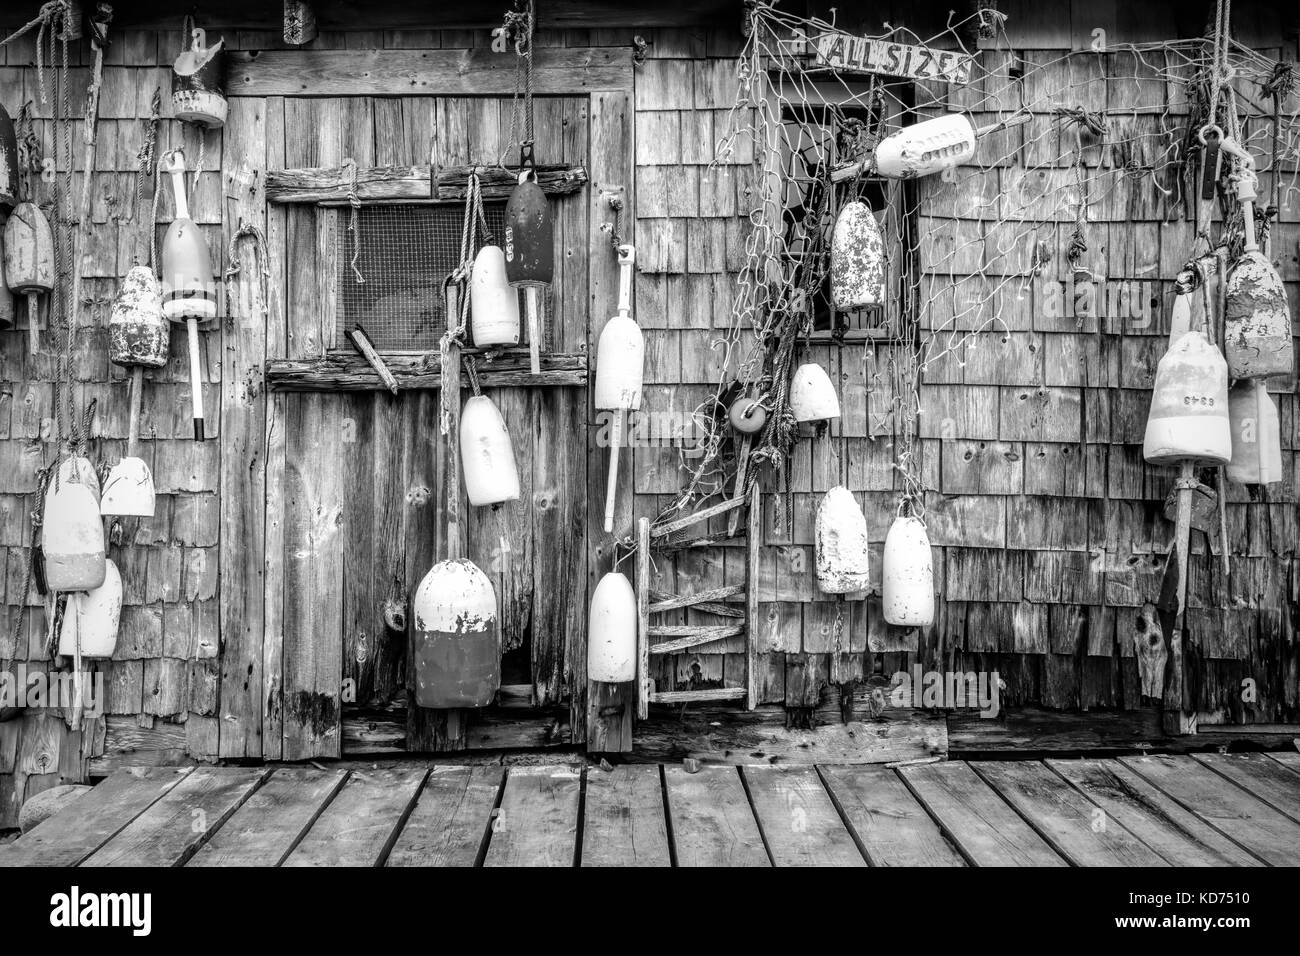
(644,685)
(299,22)
(753,551)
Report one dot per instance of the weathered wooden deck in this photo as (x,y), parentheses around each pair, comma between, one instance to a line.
(1204,810)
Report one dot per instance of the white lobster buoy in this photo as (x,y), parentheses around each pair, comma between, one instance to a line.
(72,537)
(79,469)
(1256,434)
(457,637)
(486,454)
(857,260)
(611,631)
(812,396)
(493,301)
(1189,406)
(841,538)
(129,490)
(925,148)
(907,574)
(93,617)
(620,369)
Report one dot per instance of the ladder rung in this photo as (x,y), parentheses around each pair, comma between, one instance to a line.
(677,524)
(673,602)
(693,696)
(687,636)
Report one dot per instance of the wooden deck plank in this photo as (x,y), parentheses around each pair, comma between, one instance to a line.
(1072,824)
(1266,779)
(1265,832)
(713,824)
(1288,759)
(1175,833)
(171,830)
(361,822)
(537,824)
(271,822)
(84,826)
(449,825)
(624,822)
(979,821)
(799,822)
(891,827)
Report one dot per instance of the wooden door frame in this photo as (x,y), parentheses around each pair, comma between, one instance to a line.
(600,715)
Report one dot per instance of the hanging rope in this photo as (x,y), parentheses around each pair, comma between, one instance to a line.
(261,255)
(474,222)
(354,217)
(520,23)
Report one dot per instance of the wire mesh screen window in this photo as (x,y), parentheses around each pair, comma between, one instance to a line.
(403,253)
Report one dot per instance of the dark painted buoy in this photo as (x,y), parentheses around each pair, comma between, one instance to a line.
(530,247)
(8,161)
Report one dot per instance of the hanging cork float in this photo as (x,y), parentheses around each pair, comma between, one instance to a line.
(611,631)
(1257,323)
(8,161)
(812,396)
(457,637)
(530,248)
(1188,420)
(907,574)
(841,543)
(91,618)
(197,94)
(72,535)
(1256,435)
(29,261)
(487,456)
(493,302)
(857,260)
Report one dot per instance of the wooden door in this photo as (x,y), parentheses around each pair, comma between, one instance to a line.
(364,508)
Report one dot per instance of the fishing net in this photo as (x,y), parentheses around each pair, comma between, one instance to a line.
(1077,140)
(391,268)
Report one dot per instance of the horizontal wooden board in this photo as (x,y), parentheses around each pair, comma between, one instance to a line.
(557,71)
(890,825)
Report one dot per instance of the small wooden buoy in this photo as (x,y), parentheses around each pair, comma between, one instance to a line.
(857,259)
(530,247)
(907,574)
(29,261)
(611,631)
(747,415)
(91,618)
(1188,420)
(197,94)
(457,637)
(8,161)
(841,542)
(493,302)
(1256,434)
(189,291)
(487,456)
(1257,321)
(812,396)
(72,537)
(620,369)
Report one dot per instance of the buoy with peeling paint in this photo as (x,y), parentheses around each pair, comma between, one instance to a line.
(907,574)
(486,454)
(857,259)
(493,302)
(812,396)
(841,543)
(611,631)
(72,535)
(930,146)
(1257,319)
(1256,434)
(530,248)
(1188,420)
(8,161)
(29,261)
(91,618)
(457,637)
(197,94)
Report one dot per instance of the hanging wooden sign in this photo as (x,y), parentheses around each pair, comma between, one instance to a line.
(846,53)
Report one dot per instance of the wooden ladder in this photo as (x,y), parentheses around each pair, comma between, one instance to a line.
(679,637)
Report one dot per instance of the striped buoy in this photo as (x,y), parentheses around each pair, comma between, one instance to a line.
(457,637)
(72,536)
(92,617)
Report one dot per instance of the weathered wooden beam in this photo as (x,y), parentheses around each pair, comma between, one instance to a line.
(697,696)
(334,185)
(688,636)
(557,71)
(348,372)
(704,514)
(673,602)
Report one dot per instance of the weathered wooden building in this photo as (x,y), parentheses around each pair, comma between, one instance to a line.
(266,602)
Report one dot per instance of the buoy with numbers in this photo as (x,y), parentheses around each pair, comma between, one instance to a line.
(1188,420)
